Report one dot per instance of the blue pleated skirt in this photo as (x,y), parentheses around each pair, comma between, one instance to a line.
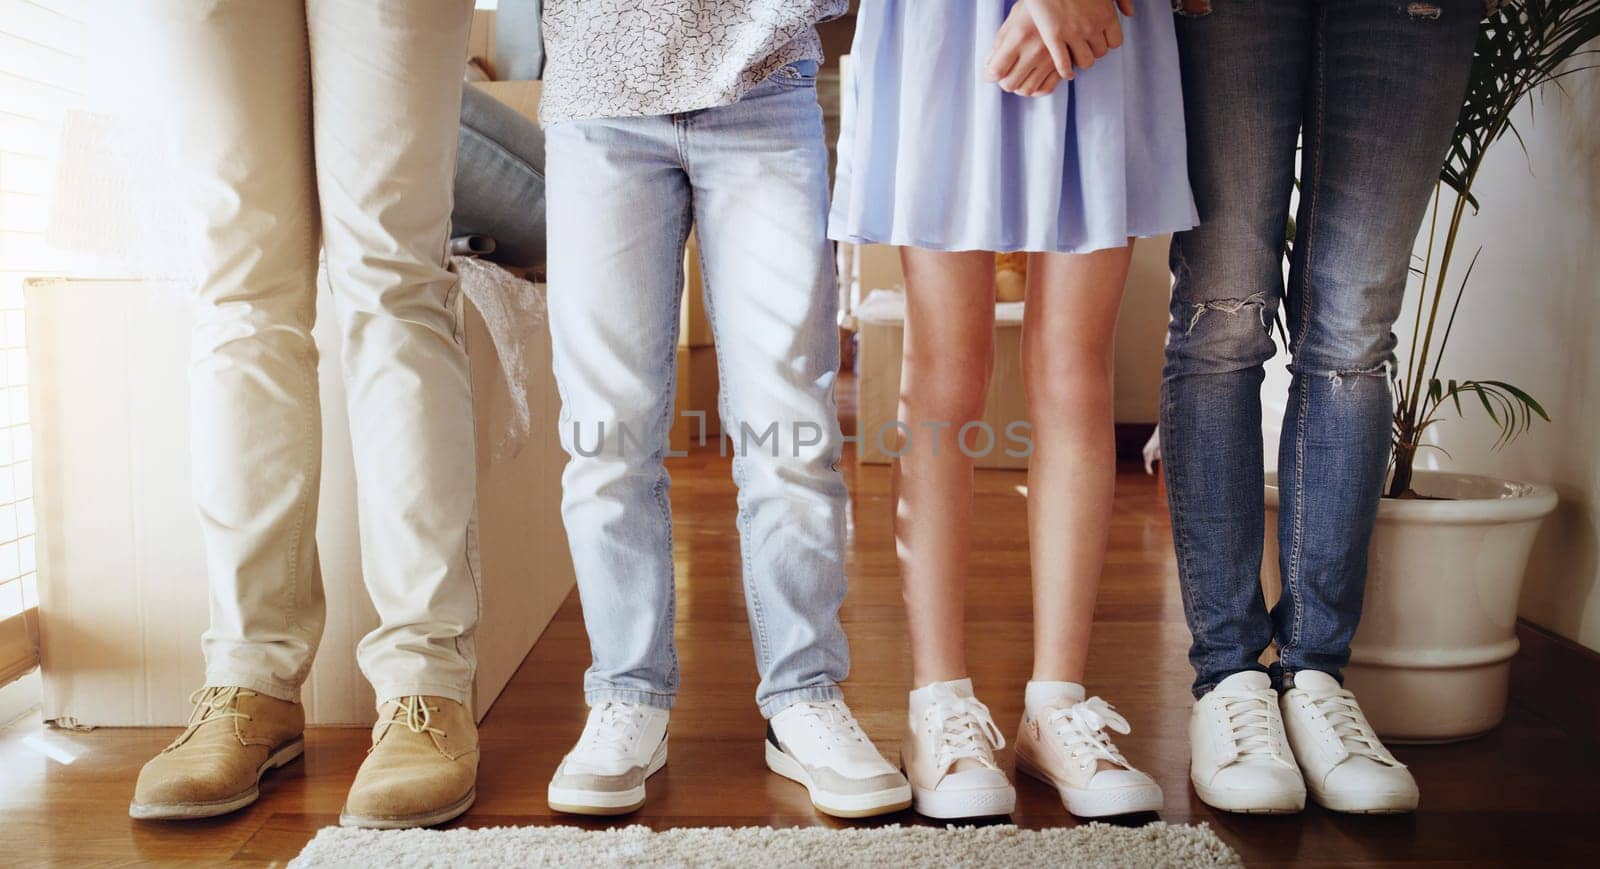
(933,156)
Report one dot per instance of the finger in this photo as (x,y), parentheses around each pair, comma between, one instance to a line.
(1098,45)
(1024,70)
(1082,55)
(1127,8)
(1114,35)
(1036,77)
(1048,86)
(1007,51)
(1058,51)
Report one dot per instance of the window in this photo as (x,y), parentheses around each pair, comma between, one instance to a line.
(40,81)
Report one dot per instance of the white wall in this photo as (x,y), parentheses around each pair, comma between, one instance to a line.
(1532,317)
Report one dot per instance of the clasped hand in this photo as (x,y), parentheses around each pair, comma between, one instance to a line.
(1043,42)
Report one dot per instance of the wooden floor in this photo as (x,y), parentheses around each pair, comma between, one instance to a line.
(1527,792)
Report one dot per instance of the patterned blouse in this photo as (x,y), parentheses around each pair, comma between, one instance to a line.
(628,58)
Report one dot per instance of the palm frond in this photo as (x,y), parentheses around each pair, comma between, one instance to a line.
(1522,48)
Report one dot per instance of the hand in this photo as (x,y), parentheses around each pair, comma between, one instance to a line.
(1019,61)
(1077,32)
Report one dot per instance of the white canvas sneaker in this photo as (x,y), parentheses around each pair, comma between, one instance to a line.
(948,755)
(1066,746)
(1240,760)
(1346,767)
(622,745)
(820,745)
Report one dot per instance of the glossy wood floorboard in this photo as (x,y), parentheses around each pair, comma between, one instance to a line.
(1526,793)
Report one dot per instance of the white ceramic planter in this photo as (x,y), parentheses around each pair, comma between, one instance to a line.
(1432,658)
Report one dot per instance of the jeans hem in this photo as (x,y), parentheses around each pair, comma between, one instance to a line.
(277,689)
(811,694)
(653,699)
(1201,689)
(396,690)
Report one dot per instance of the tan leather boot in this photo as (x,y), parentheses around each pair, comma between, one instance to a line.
(421,769)
(234,736)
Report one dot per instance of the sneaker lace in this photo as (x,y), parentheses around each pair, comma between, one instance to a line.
(965,729)
(1349,726)
(415,714)
(617,727)
(834,719)
(1249,720)
(1082,729)
(214,703)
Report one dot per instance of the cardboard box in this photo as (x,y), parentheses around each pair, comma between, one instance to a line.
(480,36)
(520,95)
(698,384)
(696,392)
(694,327)
(122,576)
(881,340)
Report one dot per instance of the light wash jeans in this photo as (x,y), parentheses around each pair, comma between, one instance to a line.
(499,189)
(752,179)
(249,91)
(1371,89)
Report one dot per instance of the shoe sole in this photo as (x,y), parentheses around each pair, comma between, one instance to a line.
(1366,804)
(838,805)
(955,804)
(1250,802)
(422,819)
(1103,803)
(575,801)
(192,811)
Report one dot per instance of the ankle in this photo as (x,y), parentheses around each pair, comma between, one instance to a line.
(1043,694)
(921,681)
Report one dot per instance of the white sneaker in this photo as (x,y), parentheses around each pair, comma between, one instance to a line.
(1346,767)
(1066,746)
(1240,760)
(820,745)
(948,755)
(622,745)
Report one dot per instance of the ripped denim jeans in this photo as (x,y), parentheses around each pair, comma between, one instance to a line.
(1371,93)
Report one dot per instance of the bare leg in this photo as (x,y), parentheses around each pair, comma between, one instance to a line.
(1067,350)
(944,380)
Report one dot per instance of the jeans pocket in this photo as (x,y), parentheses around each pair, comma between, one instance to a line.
(800,74)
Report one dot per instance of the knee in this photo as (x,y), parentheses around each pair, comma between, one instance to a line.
(621,444)
(1337,352)
(1220,334)
(1070,389)
(947,383)
(394,292)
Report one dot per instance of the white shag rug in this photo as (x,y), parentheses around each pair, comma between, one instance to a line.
(1155,844)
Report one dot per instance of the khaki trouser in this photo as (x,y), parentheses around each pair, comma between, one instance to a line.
(300,124)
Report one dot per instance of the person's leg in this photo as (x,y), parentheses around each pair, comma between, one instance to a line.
(619,215)
(944,382)
(759,169)
(946,361)
(386,95)
(1244,66)
(1067,351)
(1068,341)
(386,99)
(1382,102)
(1383,99)
(759,173)
(241,134)
(227,84)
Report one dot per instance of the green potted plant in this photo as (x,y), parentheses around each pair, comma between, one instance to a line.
(1431,660)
